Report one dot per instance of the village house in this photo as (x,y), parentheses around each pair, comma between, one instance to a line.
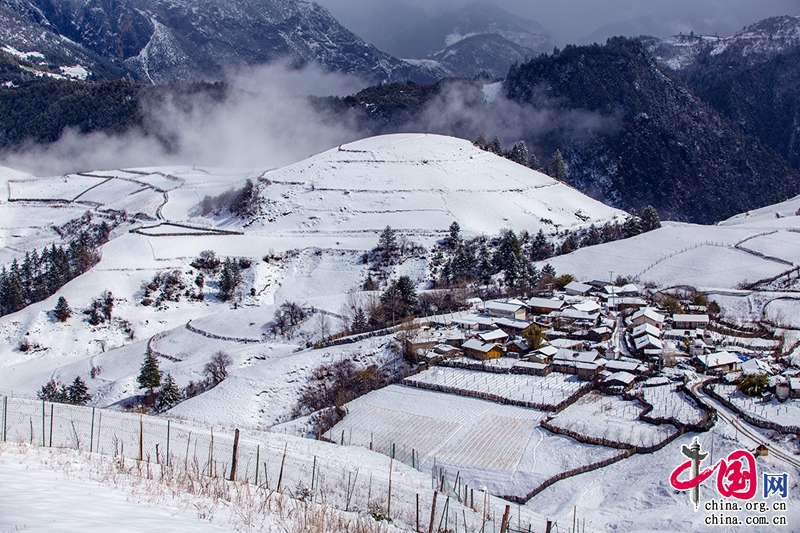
(648,342)
(633,367)
(543,355)
(493,335)
(544,306)
(794,387)
(480,350)
(574,288)
(506,308)
(648,315)
(689,321)
(531,368)
(586,365)
(517,346)
(622,379)
(719,362)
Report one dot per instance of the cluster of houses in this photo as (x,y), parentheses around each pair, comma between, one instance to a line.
(594,330)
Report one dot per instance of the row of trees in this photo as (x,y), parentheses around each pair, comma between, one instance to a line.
(54,391)
(41,273)
(520,154)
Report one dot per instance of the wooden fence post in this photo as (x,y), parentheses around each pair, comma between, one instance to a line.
(283,461)
(51,425)
(5,416)
(433,512)
(235,455)
(504,523)
(258,453)
(389,503)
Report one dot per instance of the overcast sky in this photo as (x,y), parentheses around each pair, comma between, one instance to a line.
(575,21)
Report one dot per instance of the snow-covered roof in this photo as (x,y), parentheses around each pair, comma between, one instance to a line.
(622,366)
(722,358)
(565,343)
(629,288)
(493,335)
(578,287)
(648,312)
(579,315)
(691,319)
(587,306)
(794,383)
(548,350)
(646,329)
(478,345)
(514,323)
(623,377)
(503,307)
(546,303)
(646,341)
(756,366)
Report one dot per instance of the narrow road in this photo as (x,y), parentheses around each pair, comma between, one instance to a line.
(745,429)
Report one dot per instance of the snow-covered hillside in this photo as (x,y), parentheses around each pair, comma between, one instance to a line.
(317,217)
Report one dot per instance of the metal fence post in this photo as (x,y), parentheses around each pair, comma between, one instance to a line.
(51,425)
(91,433)
(43,425)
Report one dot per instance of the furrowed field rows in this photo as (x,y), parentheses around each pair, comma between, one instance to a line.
(544,390)
(669,403)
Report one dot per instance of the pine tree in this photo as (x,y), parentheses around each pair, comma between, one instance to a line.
(62,310)
(454,238)
(650,219)
(169,394)
(359,321)
(557,169)
(149,375)
(533,162)
(387,244)
(229,279)
(78,392)
(519,153)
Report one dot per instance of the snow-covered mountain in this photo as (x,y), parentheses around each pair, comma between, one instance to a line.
(754,44)
(183,40)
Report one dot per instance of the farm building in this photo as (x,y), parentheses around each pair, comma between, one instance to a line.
(648,342)
(543,306)
(518,346)
(585,364)
(648,315)
(544,354)
(626,366)
(531,368)
(689,321)
(720,362)
(480,350)
(493,335)
(645,329)
(622,379)
(507,309)
(575,288)
(512,325)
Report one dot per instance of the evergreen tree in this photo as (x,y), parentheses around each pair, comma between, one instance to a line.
(78,392)
(484,265)
(533,162)
(519,153)
(168,395)
(387,245)
(541,248)
(53,391)
(229,279)
(557,169)
(495,146)
(534,336)
(359,321)
(650,219)
(548,270)
(633,224)
(149,375)
(454,238)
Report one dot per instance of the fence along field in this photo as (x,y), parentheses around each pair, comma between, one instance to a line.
(530,391)
(273,462)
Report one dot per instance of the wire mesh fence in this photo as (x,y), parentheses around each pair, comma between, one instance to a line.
(270,461)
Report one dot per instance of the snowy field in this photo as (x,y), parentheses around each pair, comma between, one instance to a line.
(490,444)
(669,403)
(784,413)
(551,389)
(611,418)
